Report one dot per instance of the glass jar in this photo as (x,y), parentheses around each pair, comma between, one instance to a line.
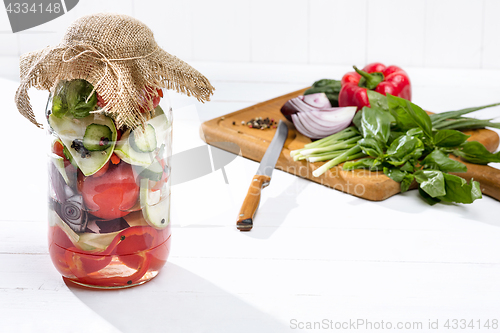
(109,190)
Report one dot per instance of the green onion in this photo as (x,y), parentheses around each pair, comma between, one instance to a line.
(350,154)
(456,114)
(465,123)
(336,146)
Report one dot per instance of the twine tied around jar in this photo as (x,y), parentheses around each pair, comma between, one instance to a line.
(118,55)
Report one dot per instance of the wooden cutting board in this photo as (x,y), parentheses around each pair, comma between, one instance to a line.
(361,183)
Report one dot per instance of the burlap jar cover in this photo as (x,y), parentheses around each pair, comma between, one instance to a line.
(118,55)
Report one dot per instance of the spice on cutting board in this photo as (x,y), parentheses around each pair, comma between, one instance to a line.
(261,123)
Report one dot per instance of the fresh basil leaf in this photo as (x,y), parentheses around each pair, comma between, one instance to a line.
(427,198)
(408,167)
(377,100)
(403,120)
(59,108)
(328,83)
(415,132)
(371,147)
(406,182)
(395,174)
(357,121)
(394,135)
(475,152)
(431,181)
(457,190)
(376,123)
(440,161)
(414,114)
(364,163)
(449,138)
(59,103)
(404,148)
(77,93)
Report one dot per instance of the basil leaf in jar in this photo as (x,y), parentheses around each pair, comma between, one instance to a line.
(77,93)
(72,96)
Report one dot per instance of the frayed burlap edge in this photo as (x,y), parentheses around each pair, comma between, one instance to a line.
(125,84)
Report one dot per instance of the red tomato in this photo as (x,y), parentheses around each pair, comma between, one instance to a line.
(118,134)
(155,99)
(112,194)
(102,170)
(58,149)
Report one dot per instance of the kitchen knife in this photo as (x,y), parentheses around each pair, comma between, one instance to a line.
(261,179)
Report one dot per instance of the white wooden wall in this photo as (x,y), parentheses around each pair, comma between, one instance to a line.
(417,33)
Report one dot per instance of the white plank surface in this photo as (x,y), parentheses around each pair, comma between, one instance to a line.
(314,253)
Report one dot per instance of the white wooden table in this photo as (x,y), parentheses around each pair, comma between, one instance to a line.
(314,255)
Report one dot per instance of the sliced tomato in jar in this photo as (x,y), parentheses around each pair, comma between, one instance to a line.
(58,149)
(111,195)
(155,100)
(102,170)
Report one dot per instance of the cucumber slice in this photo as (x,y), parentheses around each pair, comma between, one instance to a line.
(83,241)
(161,124)
(129,155)
(162,127)
(69,129)
(157,213)
(59,164)
(97,137)
(143,141)
(55,220)
(153,172)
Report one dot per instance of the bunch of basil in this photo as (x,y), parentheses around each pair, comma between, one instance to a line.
(403,141)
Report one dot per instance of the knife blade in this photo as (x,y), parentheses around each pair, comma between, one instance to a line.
(261,179)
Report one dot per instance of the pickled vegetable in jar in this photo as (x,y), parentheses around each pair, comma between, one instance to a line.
(109,190)
(109,123)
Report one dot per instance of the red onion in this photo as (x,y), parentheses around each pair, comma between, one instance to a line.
(318,100)
(314,117)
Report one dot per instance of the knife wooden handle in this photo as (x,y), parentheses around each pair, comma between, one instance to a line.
(251,202)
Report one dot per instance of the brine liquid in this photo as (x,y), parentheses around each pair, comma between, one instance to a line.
(115,268)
